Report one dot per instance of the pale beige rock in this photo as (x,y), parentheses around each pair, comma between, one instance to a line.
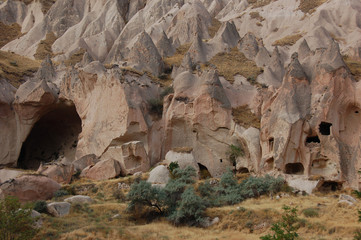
(58,209)
(58,172)
(159,175)
(85,161)
(184,159)
(103,170)
(7,174)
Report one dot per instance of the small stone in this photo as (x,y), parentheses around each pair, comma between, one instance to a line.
(59,209)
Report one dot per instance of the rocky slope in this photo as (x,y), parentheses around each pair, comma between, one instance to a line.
(132,80)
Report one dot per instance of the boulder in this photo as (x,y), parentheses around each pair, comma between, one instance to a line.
(159,175)
(79,199)
(58,172)
(84,162)
(7,174)
(37,216)
(58,209)
(103,170)
(183,159)
(30,188)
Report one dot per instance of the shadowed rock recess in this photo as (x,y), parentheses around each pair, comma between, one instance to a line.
(127,84)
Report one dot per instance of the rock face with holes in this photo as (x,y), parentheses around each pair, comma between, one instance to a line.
(310,126)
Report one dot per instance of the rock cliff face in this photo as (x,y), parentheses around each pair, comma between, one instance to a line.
(127,82)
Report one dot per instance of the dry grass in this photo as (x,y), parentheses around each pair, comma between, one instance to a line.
(46,4)
(213,29)
(288,40)
(9,33)
(182,149)
(177,58)
(233,63)
(354,66)
(14,67)
(75,58)
(259,3)
(309,6)
(44,47)
(256,15)
(244,117)
(247,220)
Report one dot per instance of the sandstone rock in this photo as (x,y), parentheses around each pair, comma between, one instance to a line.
(159,175)
(37,216)
(184,159)
(58,172)
(249,46)
(30,188)
(58,209)
(7,174)
(347,198)
(164,46)
(345,203)
(79,199)
(103,170)
(85,161)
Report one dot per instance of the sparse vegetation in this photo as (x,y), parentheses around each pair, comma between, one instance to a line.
(75,58)
(354,66)
(310,212)
(46,4)
(182,149)
(288,40)
(177,58)
(244,117)
(256,15)
(234,152)
(259,3)
(309,6)
(41,206)
(9,33)
(15,68)
(213,29)
(285,229)
(16,222)
(44,47)
(233,63)
(156,106)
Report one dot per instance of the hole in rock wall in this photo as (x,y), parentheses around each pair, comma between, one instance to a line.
(270,144)
(269,164)
(325,128)
(55,135)
(294,168)
(313,139)
(329,186)
(243,170)
(203,171)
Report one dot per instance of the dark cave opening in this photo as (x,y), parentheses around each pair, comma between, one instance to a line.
(325,128)
(294,168)
(329,186)
(203,172)
(243,170)
(313,139)
(55,135)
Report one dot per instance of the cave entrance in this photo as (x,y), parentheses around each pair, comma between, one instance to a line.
(329,186)
(325,128)
(294,168)
(55,135)
(203,172)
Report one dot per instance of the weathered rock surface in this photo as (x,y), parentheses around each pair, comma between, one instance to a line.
(102,170)
(159,175)
(79,199)
(84,162)
(58,209)
(183,159)
(30,188)
(7,174)
(58,172)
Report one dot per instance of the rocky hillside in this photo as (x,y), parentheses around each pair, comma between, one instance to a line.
(264,86)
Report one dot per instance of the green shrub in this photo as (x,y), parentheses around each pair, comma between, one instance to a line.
(257,186)
(285,229)
(310,212)
(119,195)
(191,209)
(357,235)
(166,91)
(208,193)
(16,222)
(61,193)
(357,193)
(156,106)
(234,152)
(144,194)
(172,166)
(41,206)
(228,191)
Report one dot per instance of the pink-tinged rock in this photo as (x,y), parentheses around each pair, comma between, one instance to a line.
(30,188)
(59,173)
(103,170)
(84,162)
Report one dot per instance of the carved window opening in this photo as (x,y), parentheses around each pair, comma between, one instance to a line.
(271,144)
(294,168)
(325,128)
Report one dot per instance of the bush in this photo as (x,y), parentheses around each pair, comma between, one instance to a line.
(357,235)
(234,152)
(285,229)
(16,222)
(61,193)
(41,206)
(156,106)
(143,194)
(257,186)
(172,166)
(310,212)
(191,209)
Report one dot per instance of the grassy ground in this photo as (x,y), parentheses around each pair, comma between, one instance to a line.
(244,117)
(14,67)
(108,218)
(75,58)
(288,40)
(44,47)
(9,33)
(309,6)
(213,29)
(177,58)
(233,63)
(354,66)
